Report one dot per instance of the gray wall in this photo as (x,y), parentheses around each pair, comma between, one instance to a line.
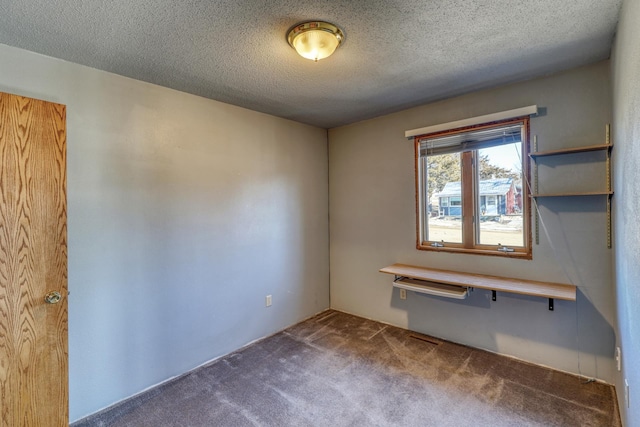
(372,211)
(626,131)
(184,213)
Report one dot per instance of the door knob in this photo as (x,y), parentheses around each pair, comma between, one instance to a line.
(52,297)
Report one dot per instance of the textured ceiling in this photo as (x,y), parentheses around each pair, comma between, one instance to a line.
(397,53)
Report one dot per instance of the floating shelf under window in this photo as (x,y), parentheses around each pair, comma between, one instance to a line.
(423,279)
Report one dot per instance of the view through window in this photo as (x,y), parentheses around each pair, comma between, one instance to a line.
(472,190)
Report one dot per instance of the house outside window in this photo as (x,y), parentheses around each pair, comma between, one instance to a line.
(471,190)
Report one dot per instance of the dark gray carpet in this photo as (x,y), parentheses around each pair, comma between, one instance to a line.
(337,369)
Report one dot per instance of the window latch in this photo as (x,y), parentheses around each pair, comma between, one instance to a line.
(505,248)
(437,245)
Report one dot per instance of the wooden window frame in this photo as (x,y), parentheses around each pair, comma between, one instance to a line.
(469,243)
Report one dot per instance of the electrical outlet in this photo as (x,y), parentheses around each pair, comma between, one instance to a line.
(267,301)
(403,294)
(626,392)
(618,359)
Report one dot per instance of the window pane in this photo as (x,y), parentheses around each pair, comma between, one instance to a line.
(444,218)
(499,195)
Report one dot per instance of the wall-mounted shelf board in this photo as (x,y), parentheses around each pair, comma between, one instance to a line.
(481,281)
(586,193)
(570,150)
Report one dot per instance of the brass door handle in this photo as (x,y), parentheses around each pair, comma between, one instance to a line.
(52,297)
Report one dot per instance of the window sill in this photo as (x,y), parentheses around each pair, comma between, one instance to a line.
(489,252)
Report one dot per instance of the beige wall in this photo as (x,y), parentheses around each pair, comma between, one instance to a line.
(372,217)
(184,213)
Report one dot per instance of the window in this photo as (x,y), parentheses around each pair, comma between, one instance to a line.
(471,190)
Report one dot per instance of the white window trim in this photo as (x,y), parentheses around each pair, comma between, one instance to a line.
(531,110)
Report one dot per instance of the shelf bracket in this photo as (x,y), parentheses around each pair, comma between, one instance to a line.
(535,190)
(550,304)
(609,222)
(608,140)
(493,295)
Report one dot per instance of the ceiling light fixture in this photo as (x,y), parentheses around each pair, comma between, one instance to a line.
(315,40)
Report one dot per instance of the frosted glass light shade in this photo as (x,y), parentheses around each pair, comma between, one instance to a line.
(315,44)
(315,40)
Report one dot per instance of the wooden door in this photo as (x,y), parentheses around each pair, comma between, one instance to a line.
(33,262)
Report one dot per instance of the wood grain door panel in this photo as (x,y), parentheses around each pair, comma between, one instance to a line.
(33,261)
